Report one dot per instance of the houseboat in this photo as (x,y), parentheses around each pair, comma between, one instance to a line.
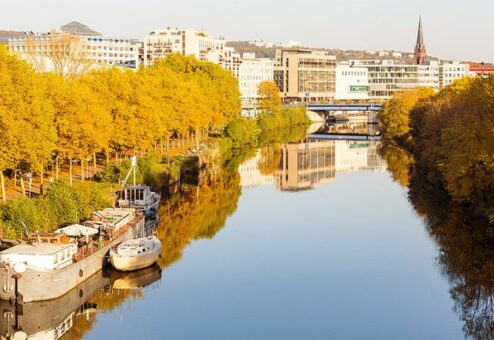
(50,266)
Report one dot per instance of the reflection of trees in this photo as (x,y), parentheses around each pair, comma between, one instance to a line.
(200,212)
(466,245)
(105,300)
(398,161)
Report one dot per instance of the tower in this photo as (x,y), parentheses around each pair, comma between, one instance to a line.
(419,53)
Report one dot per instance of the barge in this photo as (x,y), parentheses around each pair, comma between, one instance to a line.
(48,268)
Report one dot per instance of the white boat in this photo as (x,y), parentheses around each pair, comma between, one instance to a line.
(139,197)
(136,254)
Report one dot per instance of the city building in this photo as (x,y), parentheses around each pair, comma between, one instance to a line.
(306,165)
(250,72)
(449,72)
(481,69)
(305,75)
(74,43)
(352,83)
(387,77)
(161,43)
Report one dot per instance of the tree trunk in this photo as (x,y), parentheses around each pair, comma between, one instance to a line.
(82,171)
(23,187)
(70,171)
(41,176)
(197,139)
(107,154)
(2,184)
(15,181)
(94,164)
(57,168)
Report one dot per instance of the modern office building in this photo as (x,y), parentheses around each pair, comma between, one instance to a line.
(387,77)
(352,83)
(76,43)
(305,75)
(250,72)
(306,165)
(160,43)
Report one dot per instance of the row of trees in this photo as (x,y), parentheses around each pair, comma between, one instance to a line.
(272,124)
(46,119)
(451,134)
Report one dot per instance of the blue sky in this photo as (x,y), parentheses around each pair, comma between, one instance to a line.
(454,29)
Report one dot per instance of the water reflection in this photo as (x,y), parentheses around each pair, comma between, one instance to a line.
(199,209)
(73,314)
(465,244)
(309,164)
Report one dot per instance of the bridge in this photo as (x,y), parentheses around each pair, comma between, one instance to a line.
(344,136)
(345,107)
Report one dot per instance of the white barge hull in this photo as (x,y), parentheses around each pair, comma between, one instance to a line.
(36,285)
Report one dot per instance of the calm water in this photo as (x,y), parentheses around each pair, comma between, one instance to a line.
(303,241)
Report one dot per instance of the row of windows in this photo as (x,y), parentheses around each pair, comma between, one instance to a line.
(354,73)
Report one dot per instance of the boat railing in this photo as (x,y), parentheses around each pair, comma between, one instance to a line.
(94,245)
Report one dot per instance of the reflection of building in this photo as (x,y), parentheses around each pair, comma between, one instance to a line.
(250,175)
(357,156)
(305,165)
(304,74)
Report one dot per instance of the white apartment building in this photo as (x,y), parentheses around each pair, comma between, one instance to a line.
(160,43)
(250,72)
(451,72)
(352,83)
(77,42)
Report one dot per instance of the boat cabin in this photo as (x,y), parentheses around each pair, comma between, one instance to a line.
(44,256)
(115,217)
(135,196)
(52,238)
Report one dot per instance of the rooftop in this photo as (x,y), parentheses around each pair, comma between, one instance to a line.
(77,28)
(39,249)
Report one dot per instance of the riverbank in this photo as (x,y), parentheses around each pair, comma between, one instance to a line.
(450,137)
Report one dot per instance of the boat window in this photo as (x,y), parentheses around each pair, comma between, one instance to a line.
(143,250)
(55,259)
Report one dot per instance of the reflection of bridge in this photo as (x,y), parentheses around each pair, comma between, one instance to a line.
(344,136)
(344,107)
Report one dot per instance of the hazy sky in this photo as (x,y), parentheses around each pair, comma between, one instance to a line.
(454,29)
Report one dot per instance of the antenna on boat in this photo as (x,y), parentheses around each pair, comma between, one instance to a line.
(133,167)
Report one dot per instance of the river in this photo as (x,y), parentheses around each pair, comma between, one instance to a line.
(311,240)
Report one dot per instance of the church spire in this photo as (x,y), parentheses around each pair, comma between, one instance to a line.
(419,54)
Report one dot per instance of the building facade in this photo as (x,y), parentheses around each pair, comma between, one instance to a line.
(161,43)
(449,72)
(387,77)
(250,72)
(352,83)
(305,75)
(76,43)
